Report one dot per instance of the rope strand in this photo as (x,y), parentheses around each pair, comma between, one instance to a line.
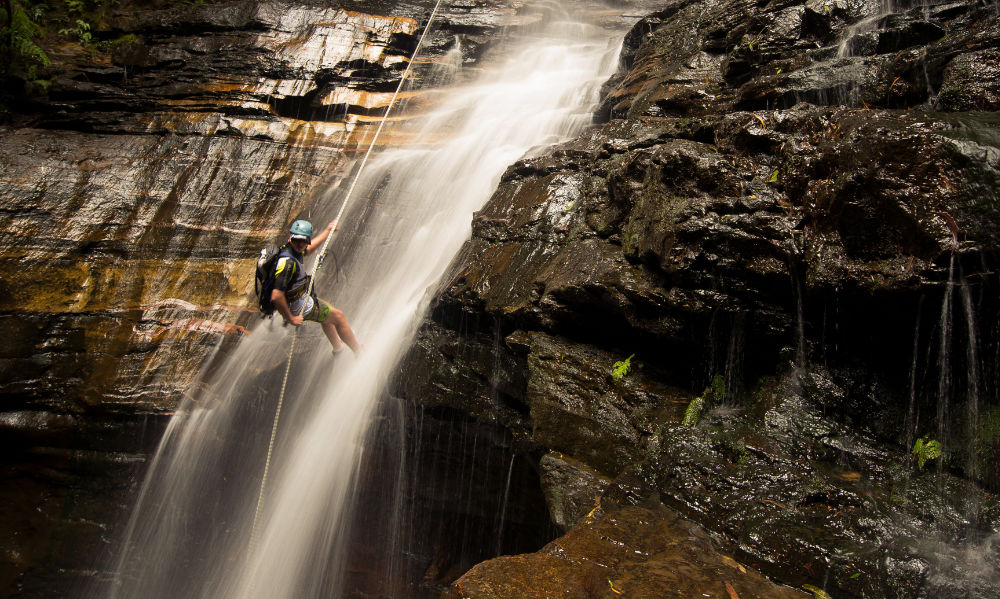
(319,262)
(378,131)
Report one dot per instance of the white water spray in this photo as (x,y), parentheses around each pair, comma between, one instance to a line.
(190,532)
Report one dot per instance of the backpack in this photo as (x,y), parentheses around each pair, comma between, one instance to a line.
(264,279)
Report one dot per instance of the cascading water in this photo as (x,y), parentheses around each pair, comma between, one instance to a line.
(190,532)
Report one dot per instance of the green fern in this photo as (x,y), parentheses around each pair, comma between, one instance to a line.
(18,36)
(926,450)
(81,32)
(620,370)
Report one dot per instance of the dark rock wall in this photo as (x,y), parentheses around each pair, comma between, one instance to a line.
(784,205)
(136,195)
(792,204)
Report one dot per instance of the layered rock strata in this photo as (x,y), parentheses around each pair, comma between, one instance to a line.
(136,195)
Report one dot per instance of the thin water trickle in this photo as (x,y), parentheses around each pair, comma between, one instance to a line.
(912,417)
(800,330)
(944,358)
(734,360)
(190,532)
(854,43)
(502,515)
(972,379)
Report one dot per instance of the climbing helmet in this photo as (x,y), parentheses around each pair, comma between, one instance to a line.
(301,229)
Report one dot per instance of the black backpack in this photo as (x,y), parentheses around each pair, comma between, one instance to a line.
(264,279)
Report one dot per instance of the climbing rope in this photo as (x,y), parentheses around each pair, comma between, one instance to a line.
(319,262)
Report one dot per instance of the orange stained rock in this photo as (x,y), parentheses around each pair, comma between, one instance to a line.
(97,285)
(294,132)
(118,353)
(363,98)
(205,326)
(632,552)
(361,137)
(384,23)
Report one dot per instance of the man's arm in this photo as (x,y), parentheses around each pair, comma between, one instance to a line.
(281,305)
(318,240)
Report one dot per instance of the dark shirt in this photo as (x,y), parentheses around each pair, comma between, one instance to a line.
(289,273)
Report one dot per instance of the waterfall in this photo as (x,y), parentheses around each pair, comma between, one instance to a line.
(189,533)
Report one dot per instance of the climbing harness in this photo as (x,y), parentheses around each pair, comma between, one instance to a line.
(319,263)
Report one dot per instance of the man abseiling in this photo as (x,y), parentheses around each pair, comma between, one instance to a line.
(291,284)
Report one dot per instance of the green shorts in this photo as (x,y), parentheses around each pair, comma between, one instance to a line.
(320,311)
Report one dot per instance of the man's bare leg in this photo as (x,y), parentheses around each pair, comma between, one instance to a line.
(335,341)
(343,330)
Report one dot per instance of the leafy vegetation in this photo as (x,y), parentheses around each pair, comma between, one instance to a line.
(716,391)
(19,34)
(816,591)
(926,450)
(81,32)
(28,27)
(693,412)
(717,388)
(620,370)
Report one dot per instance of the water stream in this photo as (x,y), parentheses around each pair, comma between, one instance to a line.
(190,531)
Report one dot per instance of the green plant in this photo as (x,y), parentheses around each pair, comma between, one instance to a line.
(716,391)
(989,427)
(816,591)
(926,450)
(620,370)
(717,388)
(81,32)
(19,33)
(124,40)
(693,412)
(630,244)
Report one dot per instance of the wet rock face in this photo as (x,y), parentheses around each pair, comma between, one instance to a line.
(693,56)
(800,493)
(788,215)
(142,186)
(135,197)
(143,189)
(471,492)
(640,552)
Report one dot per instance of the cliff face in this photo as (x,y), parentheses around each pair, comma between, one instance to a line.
(787,210)
(137,200)
(136,196)
(792,207)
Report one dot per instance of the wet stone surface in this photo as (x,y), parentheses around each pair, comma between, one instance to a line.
(787,213)
(136,195)
(635,552)
(770,185)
